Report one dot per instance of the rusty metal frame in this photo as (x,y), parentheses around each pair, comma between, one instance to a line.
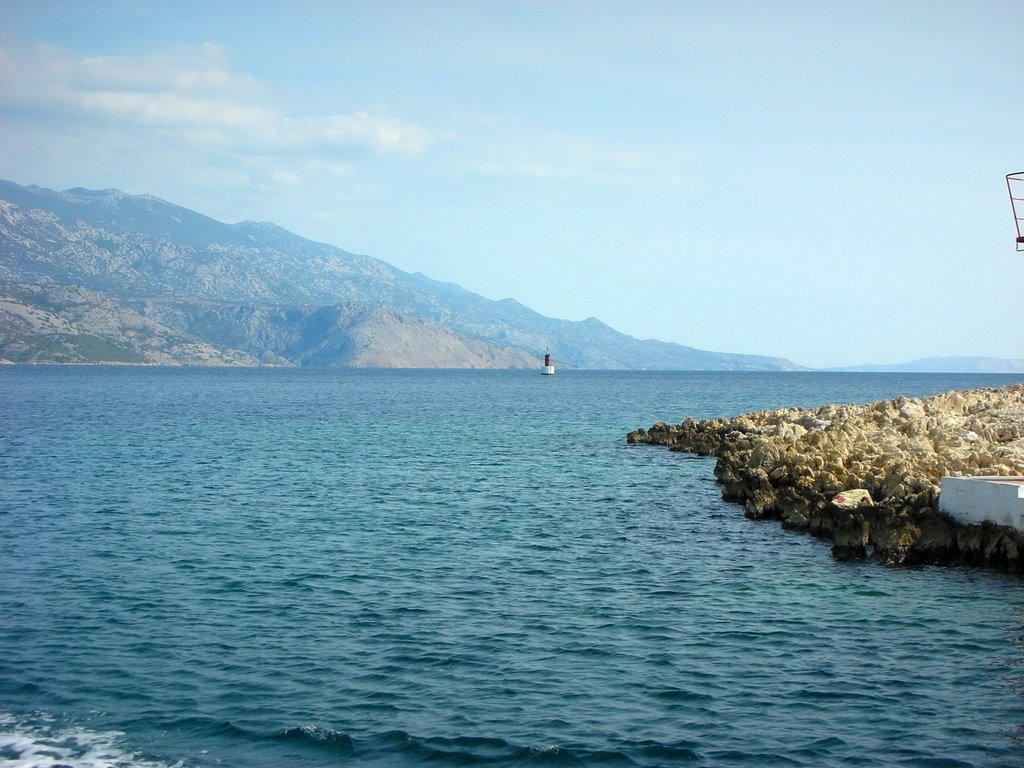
(1017,204)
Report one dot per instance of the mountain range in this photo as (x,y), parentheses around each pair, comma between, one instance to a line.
(91,276)
(100,276)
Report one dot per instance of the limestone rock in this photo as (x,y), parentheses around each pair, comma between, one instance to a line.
(867,476)
(852,499)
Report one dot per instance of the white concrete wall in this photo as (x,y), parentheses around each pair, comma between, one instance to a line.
(973,500)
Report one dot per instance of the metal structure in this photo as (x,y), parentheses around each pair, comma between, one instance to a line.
(549,368)
(1015,186)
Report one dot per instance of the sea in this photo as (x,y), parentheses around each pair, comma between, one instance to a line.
(289,567)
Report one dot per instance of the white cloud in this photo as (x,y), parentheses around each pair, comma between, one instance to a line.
(193,69)
(577,159)
(182,124)
(188,93)
(380,134)
(189,99)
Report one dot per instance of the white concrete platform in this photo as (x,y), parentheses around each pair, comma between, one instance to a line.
(993,499)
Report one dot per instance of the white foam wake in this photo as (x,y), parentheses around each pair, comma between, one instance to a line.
(41,743)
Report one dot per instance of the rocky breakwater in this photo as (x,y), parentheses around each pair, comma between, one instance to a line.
(867,477)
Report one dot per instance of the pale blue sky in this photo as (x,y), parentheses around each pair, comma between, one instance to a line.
(821,181)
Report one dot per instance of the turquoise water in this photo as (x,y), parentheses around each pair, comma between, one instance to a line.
(389,568)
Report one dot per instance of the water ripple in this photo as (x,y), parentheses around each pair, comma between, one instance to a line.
(380,569)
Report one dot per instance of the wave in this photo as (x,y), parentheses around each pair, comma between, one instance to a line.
(401,748)
(44,744)
(323,739)
(38,741)
(467,750)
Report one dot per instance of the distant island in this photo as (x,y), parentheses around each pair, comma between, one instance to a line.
(943,365)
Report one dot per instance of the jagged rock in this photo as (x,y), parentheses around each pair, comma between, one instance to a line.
(911,410)
(893,538)
(850,537)
(852,499)
(867,476)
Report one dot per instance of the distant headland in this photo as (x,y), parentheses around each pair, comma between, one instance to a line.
(867,477)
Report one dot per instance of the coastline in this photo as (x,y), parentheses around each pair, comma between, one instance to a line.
(866,477)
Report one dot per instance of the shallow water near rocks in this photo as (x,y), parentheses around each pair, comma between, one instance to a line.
(387,568)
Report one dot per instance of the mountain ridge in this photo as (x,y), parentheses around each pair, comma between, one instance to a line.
(149,258)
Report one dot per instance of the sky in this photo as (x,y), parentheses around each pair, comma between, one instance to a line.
(819,181)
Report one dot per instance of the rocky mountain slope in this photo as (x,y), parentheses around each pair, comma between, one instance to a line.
(253,293)
(67,324)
